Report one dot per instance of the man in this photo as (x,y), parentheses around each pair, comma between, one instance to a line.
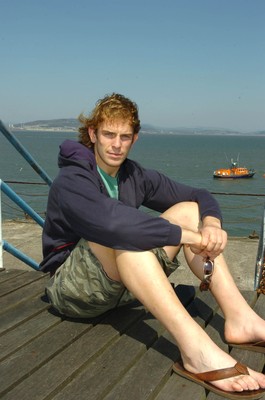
(102,250)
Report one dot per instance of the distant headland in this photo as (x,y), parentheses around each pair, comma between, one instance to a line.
(72,124)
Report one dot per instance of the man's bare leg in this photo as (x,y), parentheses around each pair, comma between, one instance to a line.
(143,276)
(242,324)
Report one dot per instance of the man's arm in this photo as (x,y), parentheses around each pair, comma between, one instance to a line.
(210,241)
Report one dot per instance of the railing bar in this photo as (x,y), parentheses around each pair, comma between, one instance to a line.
(21,203)
(27,156)
(26,183)
(1,236)
(239,194)
(20,255)
(215,193)
(260,254)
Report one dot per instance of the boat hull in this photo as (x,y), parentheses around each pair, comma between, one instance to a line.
(232,176)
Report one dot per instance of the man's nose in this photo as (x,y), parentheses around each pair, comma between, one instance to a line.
(117,141)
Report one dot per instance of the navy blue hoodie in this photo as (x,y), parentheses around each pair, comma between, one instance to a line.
(80,207)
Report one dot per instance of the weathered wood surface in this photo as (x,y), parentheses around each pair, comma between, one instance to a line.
(126,354)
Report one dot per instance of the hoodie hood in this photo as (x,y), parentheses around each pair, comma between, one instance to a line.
(72,152)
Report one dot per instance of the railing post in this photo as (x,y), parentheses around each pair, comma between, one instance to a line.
(1,237)
(260,255)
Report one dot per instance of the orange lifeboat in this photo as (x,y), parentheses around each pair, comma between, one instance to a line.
(234,172)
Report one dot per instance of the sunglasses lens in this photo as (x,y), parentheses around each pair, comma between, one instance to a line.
(208,267)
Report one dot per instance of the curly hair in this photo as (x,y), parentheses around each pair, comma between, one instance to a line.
(111,108)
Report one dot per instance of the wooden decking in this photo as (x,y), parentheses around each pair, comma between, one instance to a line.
(125,355)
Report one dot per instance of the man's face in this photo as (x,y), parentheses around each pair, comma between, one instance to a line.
(112,143)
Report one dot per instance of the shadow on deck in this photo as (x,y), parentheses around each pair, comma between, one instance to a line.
(125,354)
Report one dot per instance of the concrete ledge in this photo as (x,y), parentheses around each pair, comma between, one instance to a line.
(240,253)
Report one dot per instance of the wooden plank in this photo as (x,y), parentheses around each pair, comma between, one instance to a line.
(188,390)
(24,333)
(105,358)
(252,359)
(106,370)
(178,388)
(29,358)
(19,281)
(215,329)
(150,372)
(153,368)
(7,274)
(260,306)
(78,350)
(22,312)
(57,370)
(185,293)
(202,308)
(30,290)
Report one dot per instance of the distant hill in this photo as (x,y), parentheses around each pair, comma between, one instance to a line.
(67,124)
(72,124)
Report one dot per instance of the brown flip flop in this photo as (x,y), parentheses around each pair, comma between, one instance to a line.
(258,347)
(204,379)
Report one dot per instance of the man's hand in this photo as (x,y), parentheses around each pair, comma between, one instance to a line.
(210,241)
(214,238)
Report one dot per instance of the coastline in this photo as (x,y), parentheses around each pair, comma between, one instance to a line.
(143,131)
(35,129)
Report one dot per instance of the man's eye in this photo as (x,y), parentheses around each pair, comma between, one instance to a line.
(126,137)
(109,134)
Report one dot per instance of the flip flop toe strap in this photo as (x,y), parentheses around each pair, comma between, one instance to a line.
(219,374)
(259,344)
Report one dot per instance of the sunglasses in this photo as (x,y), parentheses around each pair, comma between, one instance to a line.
(208,268)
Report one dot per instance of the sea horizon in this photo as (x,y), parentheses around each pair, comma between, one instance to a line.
(190,159)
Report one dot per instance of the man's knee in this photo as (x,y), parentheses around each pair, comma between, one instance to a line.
(186,214)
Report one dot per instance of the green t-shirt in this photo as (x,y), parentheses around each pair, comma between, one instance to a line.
(110,183)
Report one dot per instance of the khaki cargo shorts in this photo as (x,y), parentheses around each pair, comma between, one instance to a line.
(80,287)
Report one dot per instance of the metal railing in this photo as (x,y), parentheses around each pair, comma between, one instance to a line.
(4,245)
(260,262)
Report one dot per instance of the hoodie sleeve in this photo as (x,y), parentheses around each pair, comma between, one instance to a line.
(163,192)
(98,218)
(78,205)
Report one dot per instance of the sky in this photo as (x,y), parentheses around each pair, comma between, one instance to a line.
(186,63)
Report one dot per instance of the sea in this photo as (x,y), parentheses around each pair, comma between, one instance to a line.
(190,159)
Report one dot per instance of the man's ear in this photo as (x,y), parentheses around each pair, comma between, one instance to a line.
(92,135)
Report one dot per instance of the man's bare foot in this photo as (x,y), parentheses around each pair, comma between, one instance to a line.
(253,381)
(245,330)
(210,357)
